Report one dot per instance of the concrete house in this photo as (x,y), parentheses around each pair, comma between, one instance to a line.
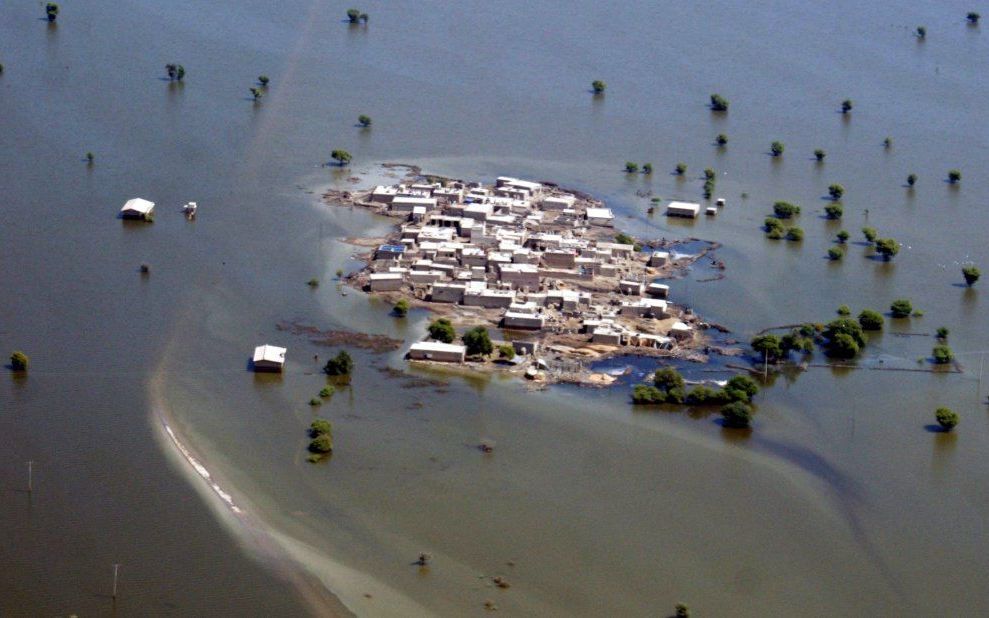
(600,216)
(683,209)
(437,351)
(268,358)
(385,282)
(520,276)
(137,208)
(659,258)
(658,290)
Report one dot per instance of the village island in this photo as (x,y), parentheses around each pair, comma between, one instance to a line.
(543,264)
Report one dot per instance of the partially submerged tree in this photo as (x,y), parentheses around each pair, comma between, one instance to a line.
(954,176)
(51,11)
(506,351)
(835,253)
(257,93)
(737,414)
(971,274)
(842,236)
(263,80)
(870,234)
(598,86)
(834,211)
(364,120)
(340,365)
(844,338)
(647,168)
(19,361)
(973,17)
(819,154)
(401,308)
(721,139)
(776,148)
(946,418)
(846,106)
(680,169)
(887,247)
(836,191)
(768,347)
(942,354)
(911,179)
(631,167)
(719,103)
(342,157)
(785,210)
(795,234)
(355,16)
(901,308)
(921,32)
(871,320)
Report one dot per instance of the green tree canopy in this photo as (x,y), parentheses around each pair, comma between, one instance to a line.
(342,157)
(340,365)
(478,341)
(871,320)
(442,330)
(946,418)
(901,308)
(971,274)
(737,414)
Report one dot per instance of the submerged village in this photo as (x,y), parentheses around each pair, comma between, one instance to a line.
(544,265)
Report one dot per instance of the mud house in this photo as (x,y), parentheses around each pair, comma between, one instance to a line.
(600,216)
(437,351)
(386,282)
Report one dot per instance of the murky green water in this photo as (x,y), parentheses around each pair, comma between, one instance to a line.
(839,503)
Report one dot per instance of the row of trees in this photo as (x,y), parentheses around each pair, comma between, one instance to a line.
(669,387)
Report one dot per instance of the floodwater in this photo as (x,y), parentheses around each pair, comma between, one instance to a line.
(839,502)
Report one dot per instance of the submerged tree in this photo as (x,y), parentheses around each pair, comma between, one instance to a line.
(631,167)
(263,80)
(819,154)
(921,32)
(776,148)
(737,414)
(598,86)
(364,120)
(846,106)
(973,17)
(834,211)
(836,191)
(911,179)
(51,11)
(721,139)
(954,176)
(680,169)
(257,93)
(340,365)
(355,16)
(901,308)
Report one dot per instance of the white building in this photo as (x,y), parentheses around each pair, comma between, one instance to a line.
(268,358)
(600,216)
(437,351)
(137,208)
(683,209)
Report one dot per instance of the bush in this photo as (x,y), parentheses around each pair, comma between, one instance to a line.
(313,283)
(719,103)
(667,379)
(680,169)
(340,365)
(506,351)
(647,168)
(364,120)
(835,254)
(768,346)
(326,391)
(354,16)
(776,148)
(842,236)
(682,611)
(971,274)
(846,106)
(709,174)
(772,223)
(785,210)
(946,418)
(844,310)
(737,414)
(836,191)
(870,234)
(834,211)
(954,176)
(263,80)
(401,308)
(598,86)
(819,154)
(911,179)
(942,354)
(797,341)
(315,401)
(795,234)
(442,330)
(19,361)
(478,341)
(701,395)
(843,346)
(257,93)
(901,308)
(631,167)
(721,139)
(871,320)
(942,332)
(645,394)
(776,233)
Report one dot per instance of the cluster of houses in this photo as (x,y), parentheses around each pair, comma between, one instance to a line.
(543,260)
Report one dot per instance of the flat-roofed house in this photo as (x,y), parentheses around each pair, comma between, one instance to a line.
(600,216)
(520,276)
(658,290)
(268,358)
(683,209)
(558,202)
(437,351)
(659,258)
(385,282)
(137,208)
(523,320)
(405,203)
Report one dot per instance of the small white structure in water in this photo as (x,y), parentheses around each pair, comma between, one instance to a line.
(683,209)
(711,211)
(137,208)
(269,358)
(190,210)
(719,202)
